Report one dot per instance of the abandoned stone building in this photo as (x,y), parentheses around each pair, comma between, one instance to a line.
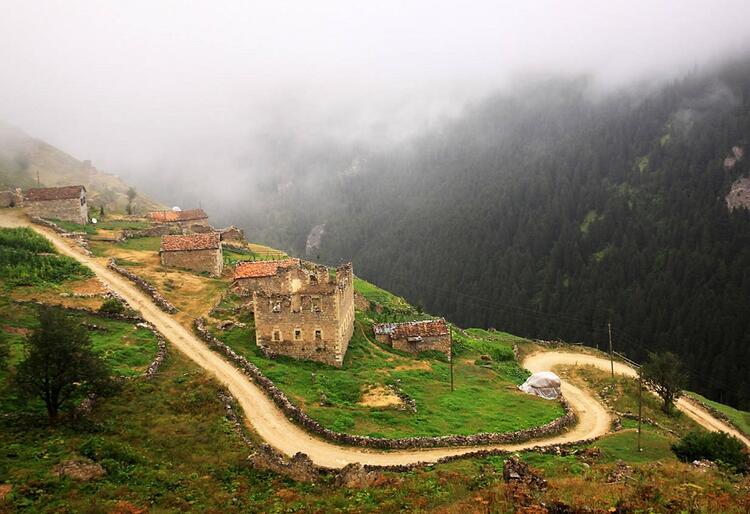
(416,336)
(301,309)
(195,252)
(67,203)
(232,233)
(193,220)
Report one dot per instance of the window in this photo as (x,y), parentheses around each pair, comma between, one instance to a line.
(277,335)
(276,307)
(318,335)
(315,304)
(297,334)
(313,280)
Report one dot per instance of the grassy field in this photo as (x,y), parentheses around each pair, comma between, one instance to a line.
(126,348)
(485,397)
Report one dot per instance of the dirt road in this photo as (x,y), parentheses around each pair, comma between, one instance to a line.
(271,424)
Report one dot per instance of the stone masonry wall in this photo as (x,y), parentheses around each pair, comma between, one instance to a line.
(66,210)
(209,261)
(144,286)
(437,343)
(301,418)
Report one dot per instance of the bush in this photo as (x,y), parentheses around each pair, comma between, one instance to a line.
(714,446)
(112,306)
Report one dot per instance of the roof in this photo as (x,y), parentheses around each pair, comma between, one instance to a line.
(427,328)
(40,194)
(258,269)
(172,216)
(208,241)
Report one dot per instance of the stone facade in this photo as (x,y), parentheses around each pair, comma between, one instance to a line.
(416,336)
(301,310)
(232,234)
(66,203)
(196,252)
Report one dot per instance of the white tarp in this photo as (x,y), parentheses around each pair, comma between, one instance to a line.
(545,384)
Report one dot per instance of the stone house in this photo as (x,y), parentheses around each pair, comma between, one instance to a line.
(416,336)
(193,220)
(195,252)
(301,309)
(232,234)
(67,203)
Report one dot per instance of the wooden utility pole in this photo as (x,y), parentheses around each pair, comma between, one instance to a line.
(38,183)
(611,355)
(450,355)
(640,404)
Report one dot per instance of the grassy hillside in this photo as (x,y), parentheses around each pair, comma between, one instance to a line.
(23,159)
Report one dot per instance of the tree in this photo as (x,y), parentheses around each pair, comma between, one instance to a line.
(59,363)
(665,374)
(132,193)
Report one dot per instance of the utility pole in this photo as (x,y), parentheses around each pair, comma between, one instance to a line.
(640,404)
(450,354)
(38,183)
(611,355)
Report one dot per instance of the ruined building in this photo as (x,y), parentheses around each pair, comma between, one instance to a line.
(67,203)
(416,336)
(193,220)
(195,252)
(301,310)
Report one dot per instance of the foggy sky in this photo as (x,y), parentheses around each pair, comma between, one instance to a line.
(184,88)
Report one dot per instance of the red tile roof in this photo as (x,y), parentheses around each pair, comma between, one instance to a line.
(258,269)
(52,193)
(428,328)
(209,241)
(172,216)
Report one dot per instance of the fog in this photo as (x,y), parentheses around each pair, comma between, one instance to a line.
(198,101)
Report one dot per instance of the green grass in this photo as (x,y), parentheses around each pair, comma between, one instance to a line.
(623,445)
(145,244)
(380,296)
(485,398)
(75,227)
(125,348)
(739,417)
(108,224)
(26,259)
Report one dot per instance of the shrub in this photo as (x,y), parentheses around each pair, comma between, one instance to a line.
(112,306)
(714,446)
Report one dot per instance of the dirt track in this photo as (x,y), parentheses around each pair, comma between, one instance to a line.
(271,424)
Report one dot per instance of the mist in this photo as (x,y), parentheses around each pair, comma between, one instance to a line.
(213,105)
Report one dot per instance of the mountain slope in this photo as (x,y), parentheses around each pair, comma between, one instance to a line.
(550,211)
(24,159)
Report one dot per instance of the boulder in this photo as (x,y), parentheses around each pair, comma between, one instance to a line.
(80,470)
(518,472)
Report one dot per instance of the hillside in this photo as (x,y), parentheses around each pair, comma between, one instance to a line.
(23,159)
(549,210)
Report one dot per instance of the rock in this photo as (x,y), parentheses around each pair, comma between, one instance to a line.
(300,468)
(621,472)
(517,471)
(703,465)
(355,476)
(80,470)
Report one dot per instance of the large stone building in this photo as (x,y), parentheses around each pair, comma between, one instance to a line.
(193,220)
(67,203)
(196,252)
(301,310)
(416,336)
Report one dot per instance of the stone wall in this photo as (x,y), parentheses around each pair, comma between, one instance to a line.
(10,199)
(67,210)
(301,418)
(144,286)
(436,343)
(208,261)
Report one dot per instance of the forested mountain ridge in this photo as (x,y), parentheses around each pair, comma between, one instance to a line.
(549,211)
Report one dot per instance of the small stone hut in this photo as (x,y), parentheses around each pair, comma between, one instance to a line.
(11,198)
(67,203)
(232,234)
(301,309)
(416,336)
(196,252)
(193,220)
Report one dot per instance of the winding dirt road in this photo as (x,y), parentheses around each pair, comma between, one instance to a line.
(270,423)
